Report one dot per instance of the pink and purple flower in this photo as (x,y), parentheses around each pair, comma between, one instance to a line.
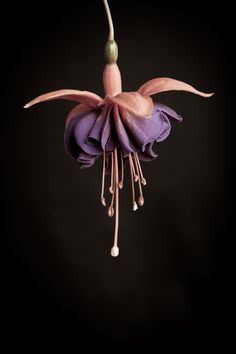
(122,126)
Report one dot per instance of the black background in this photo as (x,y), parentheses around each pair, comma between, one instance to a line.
(171,280)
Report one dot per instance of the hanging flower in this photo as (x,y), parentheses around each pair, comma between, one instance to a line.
(121,126)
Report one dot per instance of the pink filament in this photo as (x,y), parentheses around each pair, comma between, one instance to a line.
(144,182)
(133,169)
(112,189)
(112,179)
(103,200)
(132,182)
(140,199)
(122,171)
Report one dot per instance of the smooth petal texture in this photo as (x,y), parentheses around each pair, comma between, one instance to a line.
(133,102)
(148,154)
(89,133)
(76,134)
(126,141)
(82,133)
(86,160)
(168,115)
(165,84)
(80,108)
(70,143)
(88,98)
(142,132)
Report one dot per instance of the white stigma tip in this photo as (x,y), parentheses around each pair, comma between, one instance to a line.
(120,185)
(136,178)
(135,206)
(115,251)
(111,190)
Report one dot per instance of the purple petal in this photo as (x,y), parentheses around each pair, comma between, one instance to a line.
(76,138)
(90,133)
(109,139)
(82,130)
(148,154)
(143,131)
(168,111)
(86,160)
(71,145)
(125,138)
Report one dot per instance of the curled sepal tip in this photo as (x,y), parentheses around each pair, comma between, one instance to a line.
(162,84)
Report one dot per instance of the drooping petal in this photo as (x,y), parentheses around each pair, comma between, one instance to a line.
(138,104)
(143,131)
(88,98)
(172,115)
(106,132)
(166,84)
(82,130)
(94,135)
(168,116)
(80,108)
(148,154)
(76,134)
(70,143)
(109,139)
(124,135)
(89,133)
(86,160)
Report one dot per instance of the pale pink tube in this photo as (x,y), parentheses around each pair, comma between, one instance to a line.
(112,80)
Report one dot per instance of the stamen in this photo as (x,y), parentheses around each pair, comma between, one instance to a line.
(135,207)
(140,199)
(134,173)
(122,171)
(103,200)
(143,180)
(111,190)
(115,249)
(110,211)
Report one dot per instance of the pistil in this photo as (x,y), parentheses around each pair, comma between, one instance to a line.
(115,249)
(131,166)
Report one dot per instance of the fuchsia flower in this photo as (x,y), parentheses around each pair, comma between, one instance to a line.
(121,126)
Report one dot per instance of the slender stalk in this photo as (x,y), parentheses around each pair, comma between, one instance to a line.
(110,22)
